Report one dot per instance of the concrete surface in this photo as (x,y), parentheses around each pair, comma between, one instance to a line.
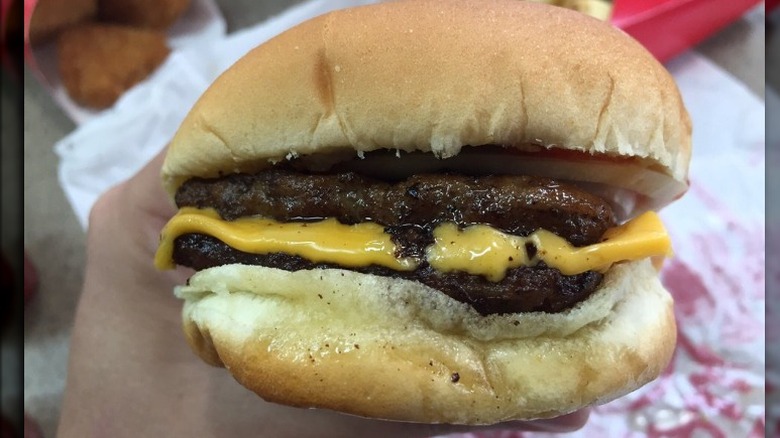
(56,243)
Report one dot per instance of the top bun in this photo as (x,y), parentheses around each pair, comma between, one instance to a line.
(434,76)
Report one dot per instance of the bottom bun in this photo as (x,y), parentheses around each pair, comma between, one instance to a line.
(398,350)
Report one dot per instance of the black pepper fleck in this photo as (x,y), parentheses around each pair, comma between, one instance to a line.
(455,377)
(530,249)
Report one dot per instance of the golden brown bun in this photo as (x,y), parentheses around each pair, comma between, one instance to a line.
(389,348)
(434,75)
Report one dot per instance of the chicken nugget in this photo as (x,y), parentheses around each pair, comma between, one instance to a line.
(51,16)
(153,14)
(99,62)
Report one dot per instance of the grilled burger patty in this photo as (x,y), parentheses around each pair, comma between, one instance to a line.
(410,210)
(517,205)
(526,289)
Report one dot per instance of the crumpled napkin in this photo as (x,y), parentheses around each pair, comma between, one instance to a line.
(715,384)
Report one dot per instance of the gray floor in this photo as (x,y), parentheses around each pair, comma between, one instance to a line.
(56,243)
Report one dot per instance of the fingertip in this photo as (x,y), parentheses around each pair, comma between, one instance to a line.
(565,423)
(147,190)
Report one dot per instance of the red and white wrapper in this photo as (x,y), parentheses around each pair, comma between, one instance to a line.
(715,384)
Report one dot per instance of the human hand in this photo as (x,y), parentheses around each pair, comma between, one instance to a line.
(131,372)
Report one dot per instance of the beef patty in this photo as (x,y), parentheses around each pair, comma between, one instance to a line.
(517,205)
(410,210)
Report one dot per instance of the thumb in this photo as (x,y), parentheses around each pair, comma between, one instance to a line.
(566,423)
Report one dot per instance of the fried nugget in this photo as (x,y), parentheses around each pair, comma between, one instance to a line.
(51,16)
(153,14)
(99,62)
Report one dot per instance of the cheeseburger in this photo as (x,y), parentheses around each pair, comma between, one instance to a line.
(432,211)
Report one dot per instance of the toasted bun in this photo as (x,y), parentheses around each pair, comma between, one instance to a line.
(389,348)
(432,75)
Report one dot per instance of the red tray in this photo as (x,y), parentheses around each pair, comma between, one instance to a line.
(669,27)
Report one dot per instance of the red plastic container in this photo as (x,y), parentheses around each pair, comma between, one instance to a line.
(669,27)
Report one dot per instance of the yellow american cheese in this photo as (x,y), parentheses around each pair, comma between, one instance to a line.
(482,250)
(325,241)
(478,250)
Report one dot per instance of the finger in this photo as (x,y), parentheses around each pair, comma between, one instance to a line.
(562,424)
(565,423)
(346,425)
(145,192)
(140,206)
(31,428)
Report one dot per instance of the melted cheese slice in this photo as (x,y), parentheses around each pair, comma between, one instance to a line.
(482,250)
(478,250)
(325,241)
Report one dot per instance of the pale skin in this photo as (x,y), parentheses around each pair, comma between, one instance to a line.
(131,373)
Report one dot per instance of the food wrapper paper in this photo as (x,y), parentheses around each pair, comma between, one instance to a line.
(716,381)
